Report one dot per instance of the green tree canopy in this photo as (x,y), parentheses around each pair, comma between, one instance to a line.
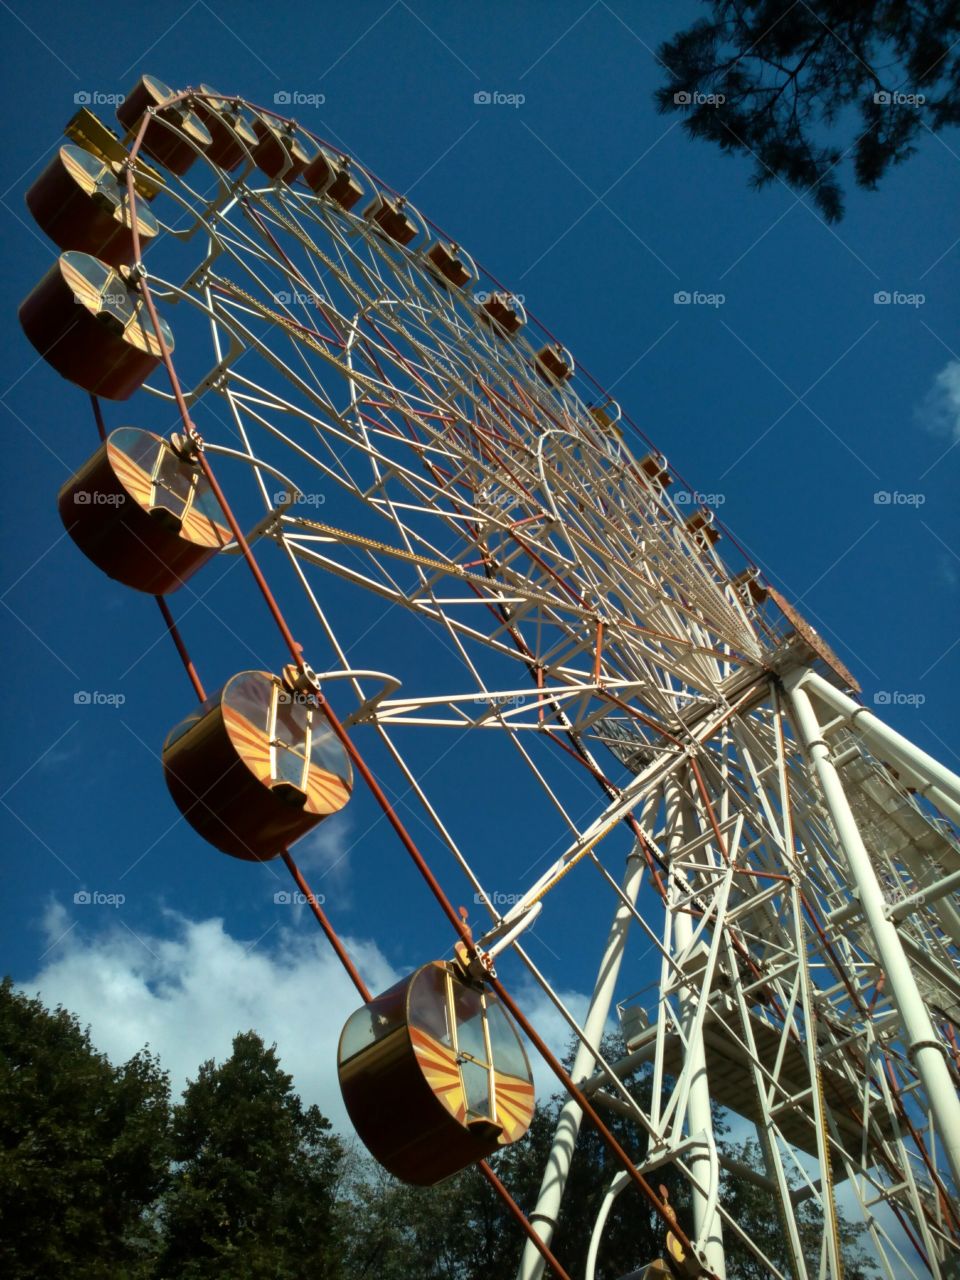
(83,1148)
(799,86)
(254,1190)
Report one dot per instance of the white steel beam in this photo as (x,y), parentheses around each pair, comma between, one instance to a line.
(924,1047)
(554,1182)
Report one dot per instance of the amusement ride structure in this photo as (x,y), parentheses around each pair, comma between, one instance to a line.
(794,958)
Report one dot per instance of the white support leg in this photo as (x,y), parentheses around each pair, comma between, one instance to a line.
(922,1043)
(544,1217)
(707,1231)
(933,779)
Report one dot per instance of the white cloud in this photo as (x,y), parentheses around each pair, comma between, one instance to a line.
(551,1025)
(188,993)
(940,410)
(325,855)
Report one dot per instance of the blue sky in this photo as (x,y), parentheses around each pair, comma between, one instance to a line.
(795,400)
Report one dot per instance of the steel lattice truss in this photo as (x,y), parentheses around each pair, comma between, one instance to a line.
(597,632)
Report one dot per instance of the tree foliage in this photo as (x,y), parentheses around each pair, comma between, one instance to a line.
(83,1148)
(254,1189)
(800,86)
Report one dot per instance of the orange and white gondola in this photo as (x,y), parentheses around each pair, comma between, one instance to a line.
(283,151)
(394,219)
(233,139)
(449,264)
(143,513)
(175,136)
(92,326)
(434,1075)
(502,312)
(334,177)
(256,766)
(80,203)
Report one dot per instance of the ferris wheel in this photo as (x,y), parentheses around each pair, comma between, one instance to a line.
(401,435)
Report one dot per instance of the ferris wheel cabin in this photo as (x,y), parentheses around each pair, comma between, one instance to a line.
(80,203)
(434,1075)
(142,513)
(233,139)
(255,767)
(175,135)
(92,327)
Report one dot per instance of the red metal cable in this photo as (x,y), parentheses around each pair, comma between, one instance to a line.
(181,648)
(98,415)
(327,927)
(519,1215)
